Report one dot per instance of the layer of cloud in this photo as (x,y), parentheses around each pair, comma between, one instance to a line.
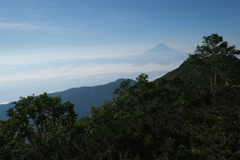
(4,103)
(71,72)
(25,26)
(155,78)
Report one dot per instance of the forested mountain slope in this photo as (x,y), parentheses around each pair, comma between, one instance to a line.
(184,72)
(187,74)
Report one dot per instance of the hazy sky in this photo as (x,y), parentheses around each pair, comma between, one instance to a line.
(38,31)
(113,27)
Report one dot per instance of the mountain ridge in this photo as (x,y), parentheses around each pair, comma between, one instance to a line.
(82,97)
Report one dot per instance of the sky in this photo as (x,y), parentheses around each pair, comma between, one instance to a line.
(35,35)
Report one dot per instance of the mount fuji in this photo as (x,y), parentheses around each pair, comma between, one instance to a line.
(74,73)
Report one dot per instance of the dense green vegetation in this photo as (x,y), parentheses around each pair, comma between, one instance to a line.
(168,119)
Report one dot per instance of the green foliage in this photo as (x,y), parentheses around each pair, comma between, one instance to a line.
(40,121)
(174,118)
(216,60)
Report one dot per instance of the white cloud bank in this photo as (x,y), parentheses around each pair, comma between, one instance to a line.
(71,72)
(4,103)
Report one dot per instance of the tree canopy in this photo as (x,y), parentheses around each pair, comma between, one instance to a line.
(163,119)
(218,62)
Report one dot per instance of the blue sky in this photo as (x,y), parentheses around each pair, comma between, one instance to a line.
(38,31)
(129,26)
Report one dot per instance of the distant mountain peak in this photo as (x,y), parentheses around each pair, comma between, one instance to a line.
(160,48)
(162,54)
(161,44)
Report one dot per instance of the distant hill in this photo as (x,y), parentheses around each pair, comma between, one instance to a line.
(3,108)
(83,97)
